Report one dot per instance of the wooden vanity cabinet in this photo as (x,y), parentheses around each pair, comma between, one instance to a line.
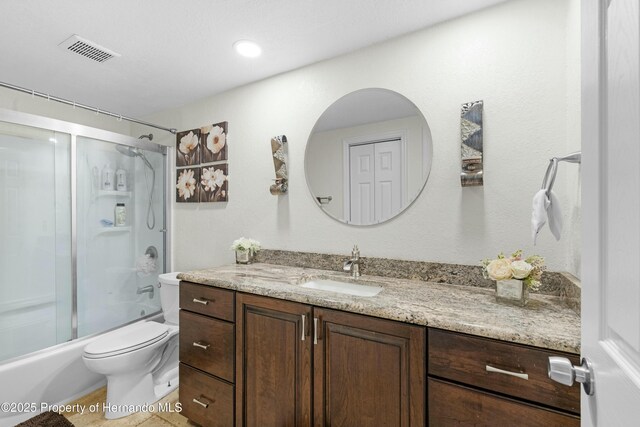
(273,362)
(484,382)
(207,355)
(255,361)
(366,371)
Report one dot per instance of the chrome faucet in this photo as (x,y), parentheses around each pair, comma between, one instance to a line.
(147,289)
(352,265)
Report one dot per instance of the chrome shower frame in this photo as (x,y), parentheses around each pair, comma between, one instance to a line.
(76,130)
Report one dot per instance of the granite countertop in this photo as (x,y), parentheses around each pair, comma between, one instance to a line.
(545,322)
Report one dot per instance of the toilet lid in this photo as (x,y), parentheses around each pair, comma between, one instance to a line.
(126,339)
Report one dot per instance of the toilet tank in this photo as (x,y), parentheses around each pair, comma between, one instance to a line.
(169,296)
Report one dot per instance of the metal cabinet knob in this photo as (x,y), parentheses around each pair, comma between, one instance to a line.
(562,371)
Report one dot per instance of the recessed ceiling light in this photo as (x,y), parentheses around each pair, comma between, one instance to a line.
(247,48)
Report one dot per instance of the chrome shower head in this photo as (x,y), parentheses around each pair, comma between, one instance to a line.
(149,137)
(134,152)
(127,151)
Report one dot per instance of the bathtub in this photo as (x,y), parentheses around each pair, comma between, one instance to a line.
(55,375)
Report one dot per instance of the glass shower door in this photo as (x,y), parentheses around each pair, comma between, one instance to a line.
(118,262)
(35,239)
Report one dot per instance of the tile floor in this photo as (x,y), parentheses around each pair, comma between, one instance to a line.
(142,419)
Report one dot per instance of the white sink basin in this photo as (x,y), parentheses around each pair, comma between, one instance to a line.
(343,287)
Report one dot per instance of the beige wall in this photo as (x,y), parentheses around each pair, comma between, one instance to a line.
(520,57)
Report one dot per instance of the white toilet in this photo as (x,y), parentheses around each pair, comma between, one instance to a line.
(140,360)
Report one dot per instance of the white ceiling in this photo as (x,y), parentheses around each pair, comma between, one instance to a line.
(175,52)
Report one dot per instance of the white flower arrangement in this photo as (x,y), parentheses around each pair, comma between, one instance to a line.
(528,270)
(246,245)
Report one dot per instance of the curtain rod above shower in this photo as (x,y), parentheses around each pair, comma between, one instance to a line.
(84,107)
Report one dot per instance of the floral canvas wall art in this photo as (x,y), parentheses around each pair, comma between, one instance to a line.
(188,185)
(213,143)
(214,183)
(188,148)
(201,162)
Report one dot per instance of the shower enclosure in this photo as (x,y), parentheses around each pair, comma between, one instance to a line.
(66,271)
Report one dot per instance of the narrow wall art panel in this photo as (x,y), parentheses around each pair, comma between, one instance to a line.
(201,162)
(471,147)
(280,152)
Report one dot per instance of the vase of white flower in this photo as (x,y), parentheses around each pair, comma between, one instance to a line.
(514,276)
(512,291)
(244,257)
(246,250)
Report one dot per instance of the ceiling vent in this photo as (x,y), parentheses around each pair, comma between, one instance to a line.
(88,49)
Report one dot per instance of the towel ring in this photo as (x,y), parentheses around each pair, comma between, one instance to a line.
(550,175)
(552,169)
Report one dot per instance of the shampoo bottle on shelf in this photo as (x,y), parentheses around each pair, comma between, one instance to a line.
(121,180)
(107,178)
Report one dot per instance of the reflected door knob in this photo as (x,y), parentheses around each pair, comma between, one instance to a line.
(562,371)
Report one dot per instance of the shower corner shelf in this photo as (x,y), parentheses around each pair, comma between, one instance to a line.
(112,230)
(114,193)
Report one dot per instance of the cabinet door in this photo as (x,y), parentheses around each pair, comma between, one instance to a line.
(273,362)
(368,372)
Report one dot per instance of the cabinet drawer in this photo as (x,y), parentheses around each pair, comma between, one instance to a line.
(470,360)
(215,396)
(207,344)
(453,405)
(207,300)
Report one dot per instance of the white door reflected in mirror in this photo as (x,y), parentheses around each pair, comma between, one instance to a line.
(370,153)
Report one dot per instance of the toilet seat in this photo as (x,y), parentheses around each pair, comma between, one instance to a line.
(126,340)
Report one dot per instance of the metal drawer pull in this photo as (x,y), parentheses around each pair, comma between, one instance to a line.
(203,404)
(303,318)
(501,371)
(315,330)
(202,346)
(201,301)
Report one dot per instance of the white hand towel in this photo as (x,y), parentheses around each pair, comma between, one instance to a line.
(539,214)
(554,215)
(145,265)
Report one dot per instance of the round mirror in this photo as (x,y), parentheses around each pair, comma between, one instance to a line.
(368,157)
